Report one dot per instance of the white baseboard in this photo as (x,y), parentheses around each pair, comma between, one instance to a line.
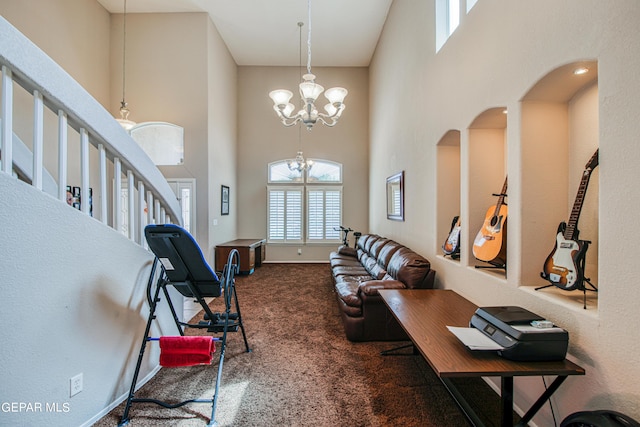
(120,399)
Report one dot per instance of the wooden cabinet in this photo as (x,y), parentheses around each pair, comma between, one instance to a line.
(252,253)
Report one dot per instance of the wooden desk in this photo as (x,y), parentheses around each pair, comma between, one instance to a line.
(425,314)
(252,253)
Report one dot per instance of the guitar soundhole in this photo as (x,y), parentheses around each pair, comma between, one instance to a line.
(494,221)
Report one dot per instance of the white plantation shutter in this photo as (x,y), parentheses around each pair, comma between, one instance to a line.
(315,217)
(293,211)
(324,213)
(276,215)
(285,215)
(333,213)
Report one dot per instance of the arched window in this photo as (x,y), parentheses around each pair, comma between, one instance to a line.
(308,200)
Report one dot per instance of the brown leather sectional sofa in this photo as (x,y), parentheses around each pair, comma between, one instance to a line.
(376,263)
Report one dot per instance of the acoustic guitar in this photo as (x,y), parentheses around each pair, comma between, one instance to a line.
(490,242)
(452,245)
(564,267)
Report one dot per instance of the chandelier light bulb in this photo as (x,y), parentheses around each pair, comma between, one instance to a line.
(309,89)
(124,116)
(336,95)
(281,96)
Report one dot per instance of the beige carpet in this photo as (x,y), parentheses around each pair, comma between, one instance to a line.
(302,370)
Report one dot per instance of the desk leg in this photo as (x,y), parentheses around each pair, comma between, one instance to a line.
(467,410)
(506,402)
(392,351)
(541,400)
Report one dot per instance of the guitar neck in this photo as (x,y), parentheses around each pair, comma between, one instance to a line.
(501,197)
(570,233)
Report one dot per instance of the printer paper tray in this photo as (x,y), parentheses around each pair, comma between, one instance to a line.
(474,339)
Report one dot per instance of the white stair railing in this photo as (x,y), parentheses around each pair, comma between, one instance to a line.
(150,199)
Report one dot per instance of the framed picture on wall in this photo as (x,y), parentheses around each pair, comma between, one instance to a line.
(224,206)
(395,197)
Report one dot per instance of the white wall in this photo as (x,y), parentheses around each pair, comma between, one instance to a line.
(73,302)
(180,71)
(501,49)
(262,139)
(222,139)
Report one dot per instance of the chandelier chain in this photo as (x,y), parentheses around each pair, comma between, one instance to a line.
(309,92)
(309,41)
(124,50)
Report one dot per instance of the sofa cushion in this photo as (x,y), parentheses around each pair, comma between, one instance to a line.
(377,246)
(344,262)
(370,241)
(409,267)
(372,287)
(387,251)
(372,267)
(348,251)
(355,270)
(363,240)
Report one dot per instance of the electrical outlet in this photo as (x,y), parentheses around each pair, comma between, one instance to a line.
(299,251)
(75,384)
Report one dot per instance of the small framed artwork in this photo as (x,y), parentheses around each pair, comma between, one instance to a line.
(395,197)
(224,206)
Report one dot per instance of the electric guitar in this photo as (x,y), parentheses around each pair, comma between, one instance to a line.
(452,245)
(490,242)
(564,266)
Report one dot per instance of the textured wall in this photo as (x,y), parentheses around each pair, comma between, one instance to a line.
(501,49)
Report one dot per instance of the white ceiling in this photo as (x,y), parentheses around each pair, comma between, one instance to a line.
(344,33)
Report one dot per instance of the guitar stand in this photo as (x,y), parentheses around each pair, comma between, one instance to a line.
(494,265)
(580,288)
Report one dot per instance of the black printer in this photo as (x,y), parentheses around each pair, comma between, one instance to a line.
(511,328)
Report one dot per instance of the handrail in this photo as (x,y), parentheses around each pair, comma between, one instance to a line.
(25,64)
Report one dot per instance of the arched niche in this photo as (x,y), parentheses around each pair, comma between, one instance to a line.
(559,135)
(487,168)
(448,183)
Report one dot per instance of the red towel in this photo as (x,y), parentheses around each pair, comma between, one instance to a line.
(186,351)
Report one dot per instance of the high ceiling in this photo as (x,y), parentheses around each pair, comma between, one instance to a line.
(344,33)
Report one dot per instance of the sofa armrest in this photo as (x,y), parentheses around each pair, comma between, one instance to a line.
(372,287)
(346,250)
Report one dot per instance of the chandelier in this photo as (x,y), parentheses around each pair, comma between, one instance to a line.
(309,92)
(124,109)
(299,163)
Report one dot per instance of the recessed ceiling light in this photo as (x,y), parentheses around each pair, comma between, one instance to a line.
(580,70)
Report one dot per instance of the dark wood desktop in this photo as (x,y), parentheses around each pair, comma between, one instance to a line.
(425,314)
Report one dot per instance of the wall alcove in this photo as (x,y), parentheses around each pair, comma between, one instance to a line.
(448,186)
(559,135)
(487,171)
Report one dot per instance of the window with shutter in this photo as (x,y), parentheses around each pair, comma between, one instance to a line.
(285,215)
(319,212)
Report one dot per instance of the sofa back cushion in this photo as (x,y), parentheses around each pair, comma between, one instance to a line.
(372,266)
(409,267)
(386,252)
(370,241)
(362,240)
